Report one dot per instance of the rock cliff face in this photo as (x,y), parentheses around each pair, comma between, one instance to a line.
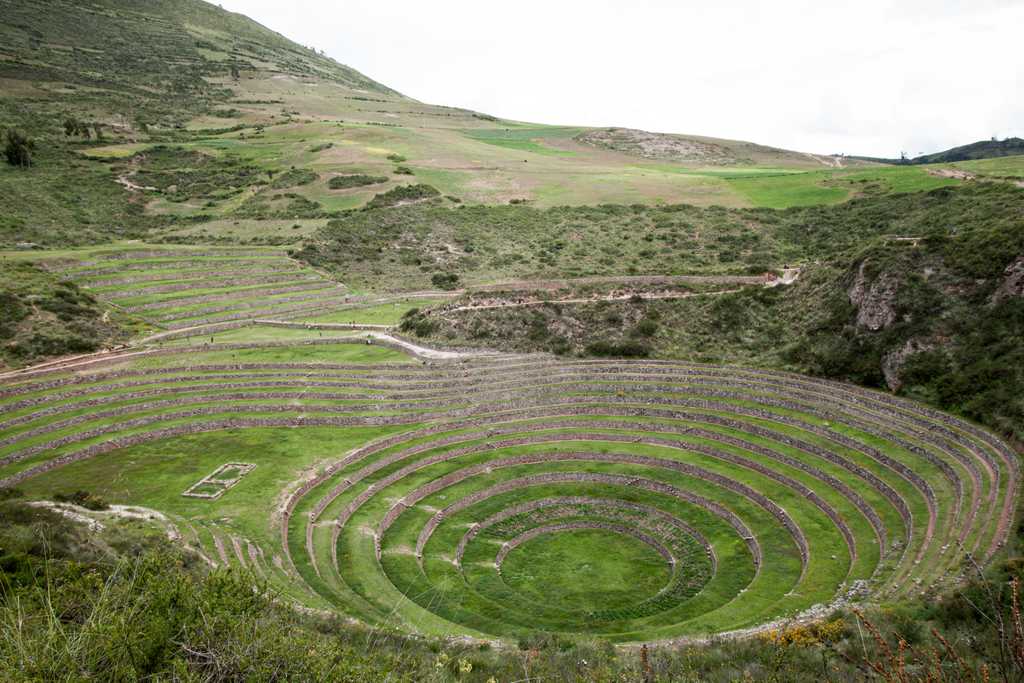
(874,300)
(1013,283)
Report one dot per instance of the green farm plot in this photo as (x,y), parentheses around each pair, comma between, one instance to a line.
(783,191)
(1002,167)
(264,333)
(155,474)
(380,314)
(527,139)
(501,496)
(348,349)
(892,180)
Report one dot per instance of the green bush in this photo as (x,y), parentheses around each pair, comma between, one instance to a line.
(626,349)
(403,194)
(18,149)
(293,178)
(344,182)
(82,499)
(446,281)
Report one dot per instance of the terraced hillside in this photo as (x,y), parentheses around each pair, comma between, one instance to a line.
(179,290)
(497,496)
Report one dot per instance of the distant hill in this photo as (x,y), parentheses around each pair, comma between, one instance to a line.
(701,150)
(983,149)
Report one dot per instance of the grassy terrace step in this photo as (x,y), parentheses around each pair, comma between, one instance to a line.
(183,288)
(762,493)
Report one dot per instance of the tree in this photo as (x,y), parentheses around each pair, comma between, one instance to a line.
(18,149)
(73,126)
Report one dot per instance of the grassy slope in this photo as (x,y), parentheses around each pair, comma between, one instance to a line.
(218,84)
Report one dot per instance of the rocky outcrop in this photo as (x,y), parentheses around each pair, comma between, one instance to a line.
(893,362)
(874,300)
(1013,282)
(659,146)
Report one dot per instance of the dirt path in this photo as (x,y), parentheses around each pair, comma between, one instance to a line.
(832,162)
(132,187)
(426,352)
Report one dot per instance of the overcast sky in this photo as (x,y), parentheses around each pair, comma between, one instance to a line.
(867,77)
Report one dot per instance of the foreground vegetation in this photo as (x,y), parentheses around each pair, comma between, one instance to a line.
(122,604)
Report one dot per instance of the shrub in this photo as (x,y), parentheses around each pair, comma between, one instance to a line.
(18,149)
(644,328)
(83,499)
(403,170)
(415,322)
(293,178)
(628,349)
(344,182)
(447,281)
(403,194)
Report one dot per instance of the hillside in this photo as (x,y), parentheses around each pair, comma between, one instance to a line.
(253,135)
(133,65)
(704,151)
(920,294)
(983,149)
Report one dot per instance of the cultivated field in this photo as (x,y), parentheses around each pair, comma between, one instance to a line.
(495,496)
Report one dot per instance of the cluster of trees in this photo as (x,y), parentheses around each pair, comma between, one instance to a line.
(74,127)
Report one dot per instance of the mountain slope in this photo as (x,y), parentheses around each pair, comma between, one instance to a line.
(155,62)
(983,149)
(98,83)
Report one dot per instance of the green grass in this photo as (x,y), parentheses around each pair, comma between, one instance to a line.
(526,139)
(334,353)
(586,571)
(263,333)
(381,314)
(894,179)
(1003,167)
(784,191)
(155,474)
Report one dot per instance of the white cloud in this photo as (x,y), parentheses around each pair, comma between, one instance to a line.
(871,77)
